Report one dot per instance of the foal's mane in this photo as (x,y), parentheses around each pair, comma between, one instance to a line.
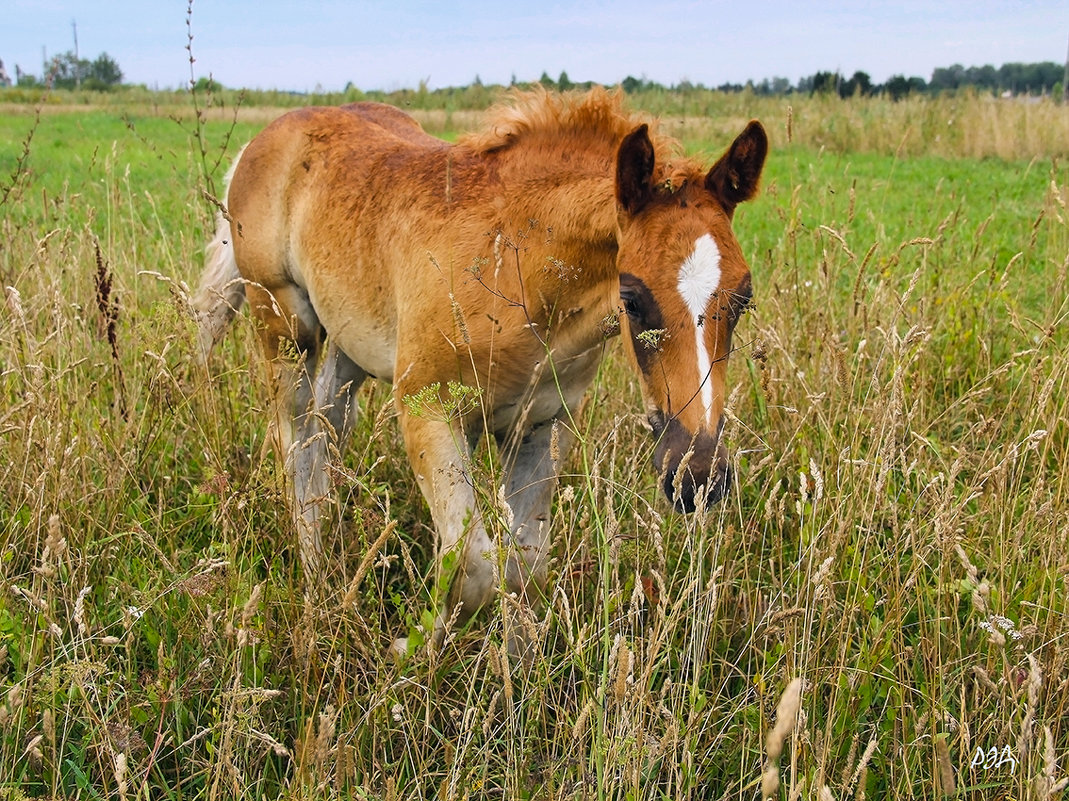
(596,120)
(524,115)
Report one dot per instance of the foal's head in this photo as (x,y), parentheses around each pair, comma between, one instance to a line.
(683,285)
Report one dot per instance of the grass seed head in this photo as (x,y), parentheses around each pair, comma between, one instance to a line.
(786,717)
(944,767)
(120,774)
(770,781)
(624,659)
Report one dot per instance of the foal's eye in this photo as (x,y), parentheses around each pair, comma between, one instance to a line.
(631,306)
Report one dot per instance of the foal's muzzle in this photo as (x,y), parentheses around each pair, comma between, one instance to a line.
(691,464)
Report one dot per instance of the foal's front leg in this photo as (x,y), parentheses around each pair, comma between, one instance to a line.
(439,453)
(532,468)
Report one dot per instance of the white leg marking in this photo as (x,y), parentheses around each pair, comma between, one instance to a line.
(699,278)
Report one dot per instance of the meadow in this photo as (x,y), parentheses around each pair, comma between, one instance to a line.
(897,538)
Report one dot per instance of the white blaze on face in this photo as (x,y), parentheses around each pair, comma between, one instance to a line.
(699,278)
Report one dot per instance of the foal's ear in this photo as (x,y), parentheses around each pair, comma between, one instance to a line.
(634,170)
(734,178)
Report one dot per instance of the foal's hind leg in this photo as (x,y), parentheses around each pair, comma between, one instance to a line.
(337,381)
(290,335)
(309,458)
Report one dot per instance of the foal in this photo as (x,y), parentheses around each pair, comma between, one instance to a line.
(366,247)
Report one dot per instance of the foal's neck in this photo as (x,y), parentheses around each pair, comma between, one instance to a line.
(568,192)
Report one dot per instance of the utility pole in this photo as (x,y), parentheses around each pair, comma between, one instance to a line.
(77,69)
(1065,80)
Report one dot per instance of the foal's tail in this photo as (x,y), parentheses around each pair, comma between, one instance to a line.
(222,290)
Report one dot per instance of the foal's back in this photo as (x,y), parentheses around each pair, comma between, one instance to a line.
(314,210)
(323,150)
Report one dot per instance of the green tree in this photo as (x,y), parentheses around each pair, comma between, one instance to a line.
(985,77)
(821,83)
(948,78)
(25,79)
(105,71)
(860,83)
(207,85)
(899,86)
(67,71)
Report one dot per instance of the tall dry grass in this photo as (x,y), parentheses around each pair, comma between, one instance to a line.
(975,126)
(969,125)
(896,541)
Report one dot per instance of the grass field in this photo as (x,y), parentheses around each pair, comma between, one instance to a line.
(898,538)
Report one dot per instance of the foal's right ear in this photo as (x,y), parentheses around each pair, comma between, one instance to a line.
(634,170)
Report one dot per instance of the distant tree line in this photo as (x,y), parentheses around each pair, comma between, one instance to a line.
(68,71)
(1016,78)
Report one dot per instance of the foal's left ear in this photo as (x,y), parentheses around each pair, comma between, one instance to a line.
(634,170)
(734,178)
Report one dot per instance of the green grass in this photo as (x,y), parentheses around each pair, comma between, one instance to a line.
(899,427)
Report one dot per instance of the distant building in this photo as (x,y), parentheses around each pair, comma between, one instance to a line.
(5,79)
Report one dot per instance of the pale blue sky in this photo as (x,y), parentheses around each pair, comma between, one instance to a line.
(312,44)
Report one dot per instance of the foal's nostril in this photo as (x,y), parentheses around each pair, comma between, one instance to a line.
(714,488)
(683,501)
(706,469)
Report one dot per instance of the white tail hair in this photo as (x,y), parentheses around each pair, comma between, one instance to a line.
(222,290)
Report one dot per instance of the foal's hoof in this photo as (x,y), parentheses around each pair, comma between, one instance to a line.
(523,648)
(399,649)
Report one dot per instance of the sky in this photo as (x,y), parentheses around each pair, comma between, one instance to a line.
(314,45)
